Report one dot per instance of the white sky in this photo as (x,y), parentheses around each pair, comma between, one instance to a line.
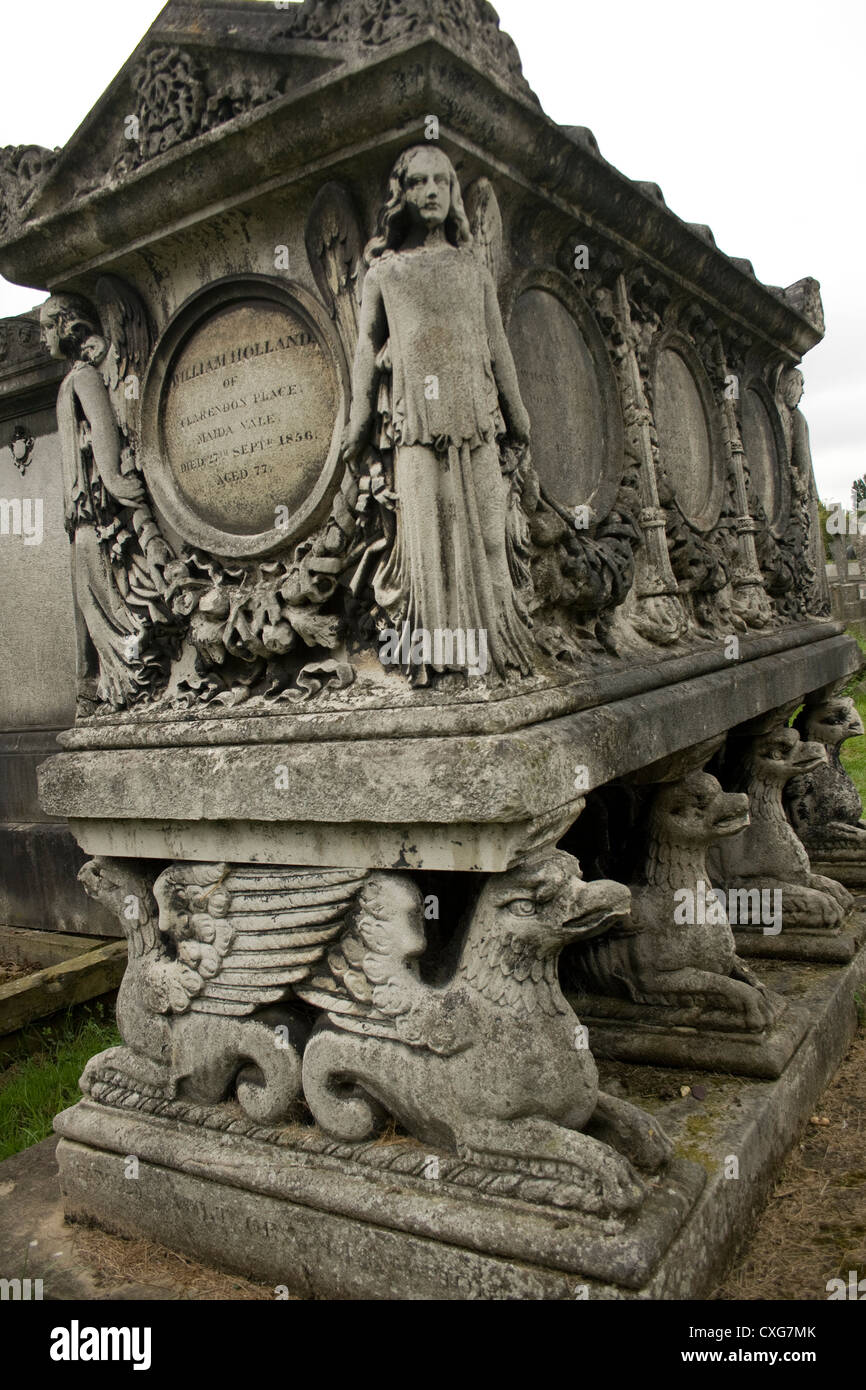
(748,113)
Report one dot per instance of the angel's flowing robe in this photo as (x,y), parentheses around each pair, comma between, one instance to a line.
(448,568)
(114,601)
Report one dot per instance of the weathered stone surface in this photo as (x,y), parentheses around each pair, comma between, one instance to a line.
(487,1067)
(255,435)
(150,802)
(690,450)
(343,1221)
(565,386)
(768,855)
(514,551)
(824,806)
(38,883)
(667,985)
(838,945)
(628,1033)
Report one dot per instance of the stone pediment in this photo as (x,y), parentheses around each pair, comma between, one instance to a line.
(205,63)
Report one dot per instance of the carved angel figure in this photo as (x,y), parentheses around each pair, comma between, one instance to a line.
(814,596)
(434,375)
(119,555)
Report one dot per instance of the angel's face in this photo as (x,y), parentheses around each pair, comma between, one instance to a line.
(50,333)
(792,388)
(428,188)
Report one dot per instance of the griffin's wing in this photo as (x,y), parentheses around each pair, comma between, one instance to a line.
(126,326)
(249,934)
(485,223)
(369,980)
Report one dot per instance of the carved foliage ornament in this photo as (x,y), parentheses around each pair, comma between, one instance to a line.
(22,170)
(472,25)
(176,100)
(274,620)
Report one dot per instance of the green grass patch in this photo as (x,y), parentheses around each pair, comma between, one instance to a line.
(853,753)
(33,1089)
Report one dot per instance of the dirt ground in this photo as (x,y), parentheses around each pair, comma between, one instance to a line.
(116,1261)
(813,1228)
(12,970)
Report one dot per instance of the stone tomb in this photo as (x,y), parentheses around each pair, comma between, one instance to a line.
(445,597)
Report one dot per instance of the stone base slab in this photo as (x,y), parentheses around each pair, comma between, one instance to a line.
(332,1230)
(838,946)
(347,1222)
(488,798)
(849,871)
(653,1041)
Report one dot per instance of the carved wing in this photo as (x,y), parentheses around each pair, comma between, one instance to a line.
(369,981)
(249,934)
(485,223)
(127,330)
(334,249)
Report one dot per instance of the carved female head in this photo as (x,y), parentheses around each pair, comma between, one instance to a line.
(70,327)
(791,383)
(423,185)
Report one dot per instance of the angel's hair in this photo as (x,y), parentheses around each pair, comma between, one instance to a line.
(393,221)
(76,319)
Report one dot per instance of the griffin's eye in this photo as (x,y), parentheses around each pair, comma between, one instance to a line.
(522,907)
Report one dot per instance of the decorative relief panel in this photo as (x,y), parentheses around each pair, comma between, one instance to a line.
(765,450)
(243,411)
(568,493)
(688,432)
(570,392)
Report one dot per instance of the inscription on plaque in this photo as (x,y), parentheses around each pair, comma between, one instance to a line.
(248,415)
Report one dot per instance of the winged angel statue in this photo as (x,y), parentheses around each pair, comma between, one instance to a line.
(119,557)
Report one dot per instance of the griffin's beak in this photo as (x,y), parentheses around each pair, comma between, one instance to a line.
(809,756)
(733,814)
(600,905)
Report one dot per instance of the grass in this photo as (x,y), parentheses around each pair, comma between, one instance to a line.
(33,1089)
(853,752)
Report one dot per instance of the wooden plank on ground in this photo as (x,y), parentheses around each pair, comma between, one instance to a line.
(43,947)
(72,982)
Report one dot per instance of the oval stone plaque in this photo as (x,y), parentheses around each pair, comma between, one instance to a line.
(685,443)
(247,416)
(560,388)
(762,455)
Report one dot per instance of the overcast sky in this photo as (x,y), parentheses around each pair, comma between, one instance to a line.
(748,113)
